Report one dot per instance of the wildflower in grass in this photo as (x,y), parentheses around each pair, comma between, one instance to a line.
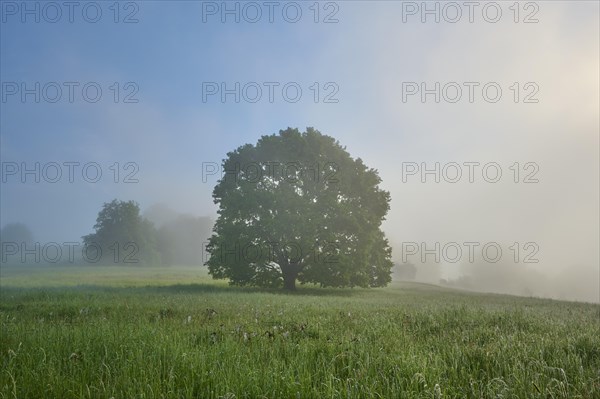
(13,354)
(437,391)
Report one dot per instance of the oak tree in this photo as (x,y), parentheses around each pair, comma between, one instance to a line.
(297,207)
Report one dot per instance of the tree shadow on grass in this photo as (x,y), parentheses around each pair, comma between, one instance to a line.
(199,288)
(192,288)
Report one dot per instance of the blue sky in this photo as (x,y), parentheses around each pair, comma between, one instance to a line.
(366,55)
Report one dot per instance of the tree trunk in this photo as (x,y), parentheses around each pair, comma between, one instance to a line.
(289,278)
(289,272)
(289,281)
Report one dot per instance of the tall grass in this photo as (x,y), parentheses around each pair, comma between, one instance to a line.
(173,333)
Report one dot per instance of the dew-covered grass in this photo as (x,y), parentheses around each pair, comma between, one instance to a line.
(134,332)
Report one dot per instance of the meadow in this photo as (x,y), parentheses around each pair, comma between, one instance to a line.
(134,332)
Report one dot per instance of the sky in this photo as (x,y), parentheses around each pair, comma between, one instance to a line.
(472,90)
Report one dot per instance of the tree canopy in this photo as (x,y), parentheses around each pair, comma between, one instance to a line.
(17,233)
(122,235)
(297,207)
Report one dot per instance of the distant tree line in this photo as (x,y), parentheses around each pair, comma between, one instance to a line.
(124,235)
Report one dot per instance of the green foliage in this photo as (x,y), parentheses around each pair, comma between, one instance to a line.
(122,236)
(297,206)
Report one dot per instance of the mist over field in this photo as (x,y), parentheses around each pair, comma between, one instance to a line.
(300,199)
(483,126)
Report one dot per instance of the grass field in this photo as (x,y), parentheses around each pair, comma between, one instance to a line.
(114,332)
